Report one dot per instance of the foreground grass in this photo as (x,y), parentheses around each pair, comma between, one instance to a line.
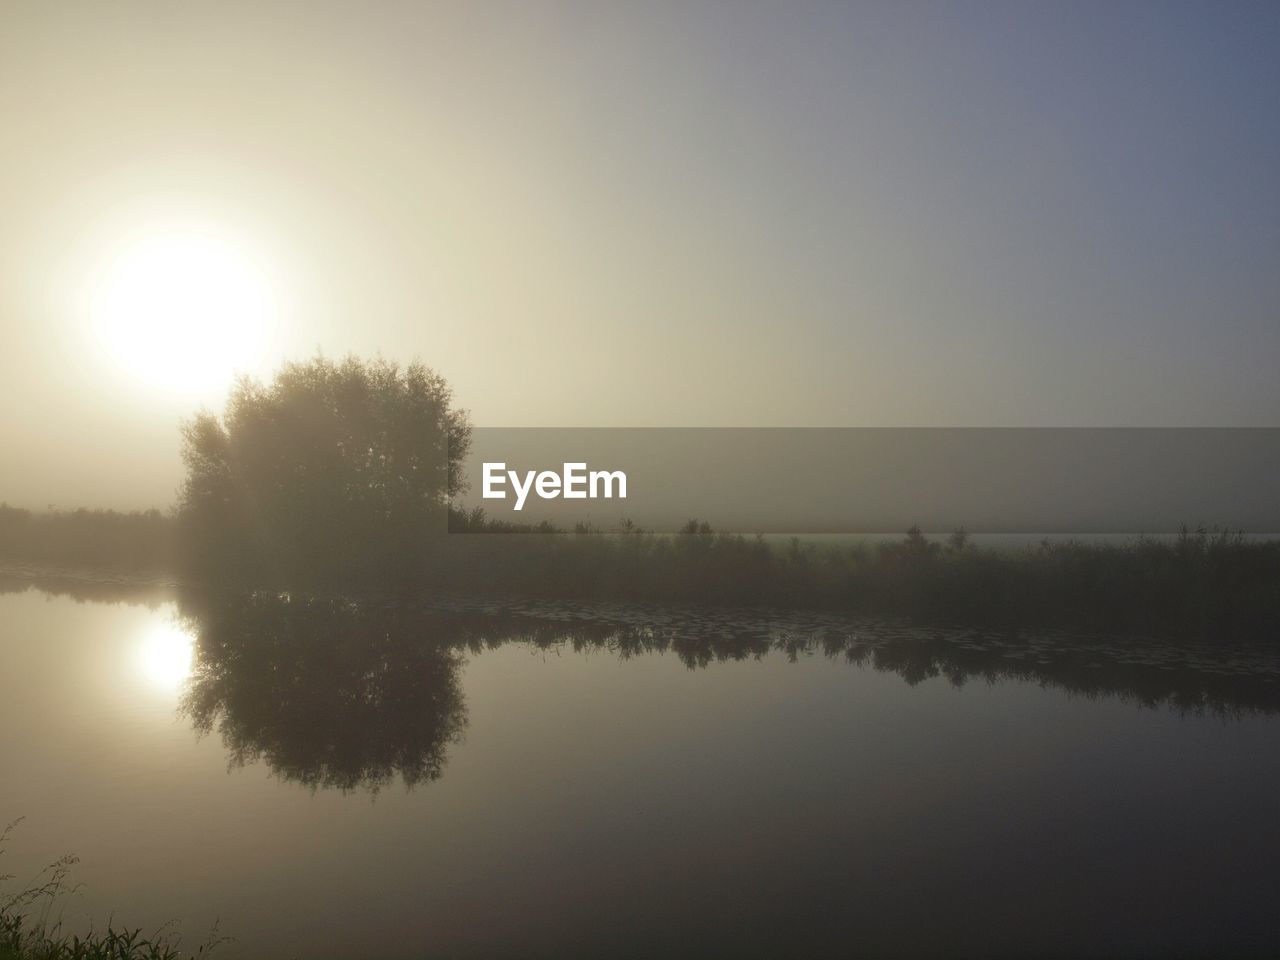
(30,930)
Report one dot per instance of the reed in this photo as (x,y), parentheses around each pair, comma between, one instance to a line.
(31,927)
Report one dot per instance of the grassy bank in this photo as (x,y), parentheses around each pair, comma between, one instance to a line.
(30,930)
(1200,582)
(136,541)
(1205,583)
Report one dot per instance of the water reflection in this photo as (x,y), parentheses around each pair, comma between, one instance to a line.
(329,692)
(349,693)
(165,657)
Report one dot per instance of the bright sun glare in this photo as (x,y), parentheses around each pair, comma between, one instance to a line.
(165,656)
(184,310)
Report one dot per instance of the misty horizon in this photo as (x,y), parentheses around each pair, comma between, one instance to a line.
(524,480)
(990,215)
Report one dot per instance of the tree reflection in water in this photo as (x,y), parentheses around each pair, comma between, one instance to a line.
(329,692)
(354,693)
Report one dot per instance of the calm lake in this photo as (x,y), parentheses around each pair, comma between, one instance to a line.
(626,780)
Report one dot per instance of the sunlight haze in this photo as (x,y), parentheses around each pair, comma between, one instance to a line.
(605,215)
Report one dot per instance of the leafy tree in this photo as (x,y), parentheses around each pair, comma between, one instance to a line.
(330,468)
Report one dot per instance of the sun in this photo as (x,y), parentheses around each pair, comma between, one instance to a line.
(165,656)
(184,310)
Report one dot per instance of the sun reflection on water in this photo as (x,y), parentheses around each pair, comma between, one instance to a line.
(165,656)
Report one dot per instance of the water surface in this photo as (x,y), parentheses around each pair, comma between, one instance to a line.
(632,780)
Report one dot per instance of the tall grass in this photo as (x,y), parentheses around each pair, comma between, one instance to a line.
(136,541)
(31,927)
(1202,582)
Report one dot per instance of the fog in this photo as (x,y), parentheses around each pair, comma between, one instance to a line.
(590,215)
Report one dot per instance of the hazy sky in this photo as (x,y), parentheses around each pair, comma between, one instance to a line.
(646,214)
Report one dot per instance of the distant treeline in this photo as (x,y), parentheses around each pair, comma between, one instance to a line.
(1201,582)
(139,541)
(340,478)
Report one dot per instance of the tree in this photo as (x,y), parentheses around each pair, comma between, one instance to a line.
(333,468)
